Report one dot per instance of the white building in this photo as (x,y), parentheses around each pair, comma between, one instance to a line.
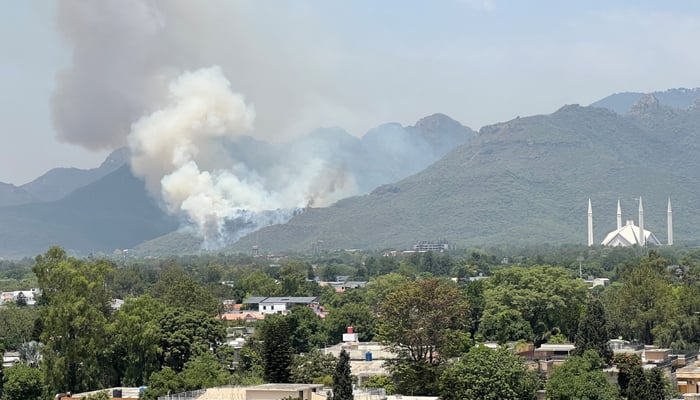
(279,305)
(630,234)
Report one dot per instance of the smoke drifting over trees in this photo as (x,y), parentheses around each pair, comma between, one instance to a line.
(141,76)
(177,149)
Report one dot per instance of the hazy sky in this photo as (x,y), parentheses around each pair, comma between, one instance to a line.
(82,71)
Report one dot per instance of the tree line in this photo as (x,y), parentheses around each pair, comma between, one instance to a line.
(167,334)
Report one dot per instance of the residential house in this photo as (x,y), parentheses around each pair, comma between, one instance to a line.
(688,379)
(274,391)
(29,296)
(10,358)
(280,305)
(366,358)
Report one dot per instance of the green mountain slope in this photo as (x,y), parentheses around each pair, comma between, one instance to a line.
(525,181)
(114,212)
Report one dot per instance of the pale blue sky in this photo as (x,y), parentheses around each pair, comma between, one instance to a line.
(353,64)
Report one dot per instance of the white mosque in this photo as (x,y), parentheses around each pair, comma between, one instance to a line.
(630,234)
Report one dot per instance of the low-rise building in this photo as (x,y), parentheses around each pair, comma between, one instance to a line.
(27,296)
(279,305)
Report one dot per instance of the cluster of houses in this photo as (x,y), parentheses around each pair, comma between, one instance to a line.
(369,358)
(256,308)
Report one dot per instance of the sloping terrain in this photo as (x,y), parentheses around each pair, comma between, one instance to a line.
(107,208)
(11,195)
(525,181)
(114,212)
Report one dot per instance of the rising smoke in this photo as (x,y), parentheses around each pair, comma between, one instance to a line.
(192,138)
(124,88)
(170,147)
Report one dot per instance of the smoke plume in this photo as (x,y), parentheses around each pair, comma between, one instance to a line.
(178,150)
(192,138)
(125,53)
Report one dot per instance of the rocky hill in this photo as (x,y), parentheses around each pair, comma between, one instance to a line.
(106,208)
(621,103)
(525,181)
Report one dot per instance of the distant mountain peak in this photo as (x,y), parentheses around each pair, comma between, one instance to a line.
(437,120)
(566,108)
(116,159)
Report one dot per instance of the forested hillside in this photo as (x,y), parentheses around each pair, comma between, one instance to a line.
(525,181)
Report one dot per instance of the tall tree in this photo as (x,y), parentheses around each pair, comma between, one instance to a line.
(74,321)
(2,374)
(203,371)
(537,300)
(657,385)
(645,299)
(342,381)
(161,383)
(581,378)
(306,329)
(424,323)
(136,340)
(381,287)
(593,332)
(638,388)
(419,320)
(277,351)
(485,374)
(625,363)
(187,334)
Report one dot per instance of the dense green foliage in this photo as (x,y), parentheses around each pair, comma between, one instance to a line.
(593,332)
(422,320)
(430,323)
(531,304)
(485,374)
(277,351)
(313,367)
(16,325)
(74,321)
(581,378)
(21,382)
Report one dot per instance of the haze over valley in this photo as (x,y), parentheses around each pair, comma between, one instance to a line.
(286,137)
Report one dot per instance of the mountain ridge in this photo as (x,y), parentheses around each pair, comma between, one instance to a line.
(523,181)
(621,103)
(85,221)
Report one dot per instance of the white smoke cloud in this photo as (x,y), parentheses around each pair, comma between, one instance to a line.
(171,146)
